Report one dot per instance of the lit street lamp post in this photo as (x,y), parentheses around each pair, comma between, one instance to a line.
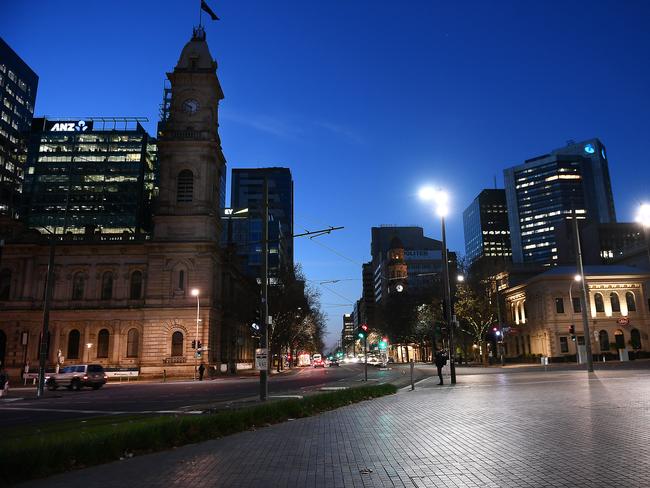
(195,293)
(441,199)
(584,295)
(576,279)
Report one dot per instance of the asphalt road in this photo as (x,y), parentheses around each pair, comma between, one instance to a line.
(22,407)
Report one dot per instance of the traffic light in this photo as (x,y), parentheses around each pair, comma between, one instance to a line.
(572,332)
(193,344)
(199,345)
(383,343)
(363,331)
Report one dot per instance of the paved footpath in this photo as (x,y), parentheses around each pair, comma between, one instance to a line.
(556,429)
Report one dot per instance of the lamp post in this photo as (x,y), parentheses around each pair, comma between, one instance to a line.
(195,293)
(576,279)
(584,296)
(441,200)
(643,217)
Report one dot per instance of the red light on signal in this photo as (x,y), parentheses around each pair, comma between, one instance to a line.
(364,327)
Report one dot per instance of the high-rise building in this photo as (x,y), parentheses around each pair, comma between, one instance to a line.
(242,228)
(347,333)
(247,190)
(87,175)
(485,222)
(546,189)
(18,84)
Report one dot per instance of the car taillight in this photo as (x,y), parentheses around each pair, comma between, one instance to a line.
(85,377)
(105,377)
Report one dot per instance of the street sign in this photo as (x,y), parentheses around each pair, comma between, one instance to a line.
(261,362)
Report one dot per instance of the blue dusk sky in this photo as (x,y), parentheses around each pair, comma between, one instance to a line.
(366,100)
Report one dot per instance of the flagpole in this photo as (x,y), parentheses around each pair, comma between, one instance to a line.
(200,15)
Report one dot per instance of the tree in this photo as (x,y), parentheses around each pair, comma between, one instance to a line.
(476,313)
(298,322)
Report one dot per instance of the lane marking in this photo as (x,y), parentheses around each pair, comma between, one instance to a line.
(102,412)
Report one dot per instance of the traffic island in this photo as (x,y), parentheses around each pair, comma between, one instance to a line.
(69,445)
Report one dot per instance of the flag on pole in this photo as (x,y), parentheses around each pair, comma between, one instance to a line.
(205,7)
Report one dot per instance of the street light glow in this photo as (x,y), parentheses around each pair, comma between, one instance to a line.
(195,292)
(577,278)
(460,278)
(437,196)
(643,216)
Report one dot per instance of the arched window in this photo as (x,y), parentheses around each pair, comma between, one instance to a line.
(635,338)
(616,304)
(620,339)
(184,186)
(73,344)
(132,343)
(631,301)
(136,285)
(78,285)
(102,343)
(600,304)
(107,285)
(181,280)
(603,338)
(177,343)
(5,284)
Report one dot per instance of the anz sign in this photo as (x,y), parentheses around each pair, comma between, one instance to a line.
(69,126)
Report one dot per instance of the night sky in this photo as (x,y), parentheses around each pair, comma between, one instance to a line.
(367,100)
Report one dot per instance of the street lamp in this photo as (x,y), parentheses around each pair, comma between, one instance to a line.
(195,293)
(643,217)
(441,200)
(576,279)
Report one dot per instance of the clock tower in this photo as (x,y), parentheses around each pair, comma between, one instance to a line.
(189,150)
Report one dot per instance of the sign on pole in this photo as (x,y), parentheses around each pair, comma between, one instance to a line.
(261,359)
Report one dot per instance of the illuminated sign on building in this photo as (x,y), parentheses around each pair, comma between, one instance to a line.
(68,126)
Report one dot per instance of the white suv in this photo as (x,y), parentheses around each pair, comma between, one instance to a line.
(78,376)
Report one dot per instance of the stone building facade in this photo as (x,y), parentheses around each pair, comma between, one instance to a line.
(127,301)
(541,310)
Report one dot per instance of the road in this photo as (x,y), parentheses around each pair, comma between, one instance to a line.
(22,407)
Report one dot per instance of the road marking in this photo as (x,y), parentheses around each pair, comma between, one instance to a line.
(408,387)
(300,397)
(334,388)
(11,399)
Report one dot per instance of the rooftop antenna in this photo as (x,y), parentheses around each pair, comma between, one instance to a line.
(495,181)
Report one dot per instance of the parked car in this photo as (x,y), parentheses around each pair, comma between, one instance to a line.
(77,376)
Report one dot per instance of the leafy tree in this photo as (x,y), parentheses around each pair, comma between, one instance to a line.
(476,313)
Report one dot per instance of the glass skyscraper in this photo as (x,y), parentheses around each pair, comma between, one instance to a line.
(545,190)
(18,84)
(247,192)
(485,225)
(91,174)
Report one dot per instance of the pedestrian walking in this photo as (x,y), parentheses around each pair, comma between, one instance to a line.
(4,382)
(441,361)
(201,371)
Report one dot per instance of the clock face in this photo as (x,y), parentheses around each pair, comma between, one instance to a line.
(399,288)
(190,106)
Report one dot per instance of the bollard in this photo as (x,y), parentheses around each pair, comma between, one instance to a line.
(412,368)
(164,375)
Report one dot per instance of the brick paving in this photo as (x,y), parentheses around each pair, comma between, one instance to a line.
(534,430)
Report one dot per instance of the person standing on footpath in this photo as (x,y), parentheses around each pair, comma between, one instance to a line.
(441,361)
(4,382)
(201,371)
